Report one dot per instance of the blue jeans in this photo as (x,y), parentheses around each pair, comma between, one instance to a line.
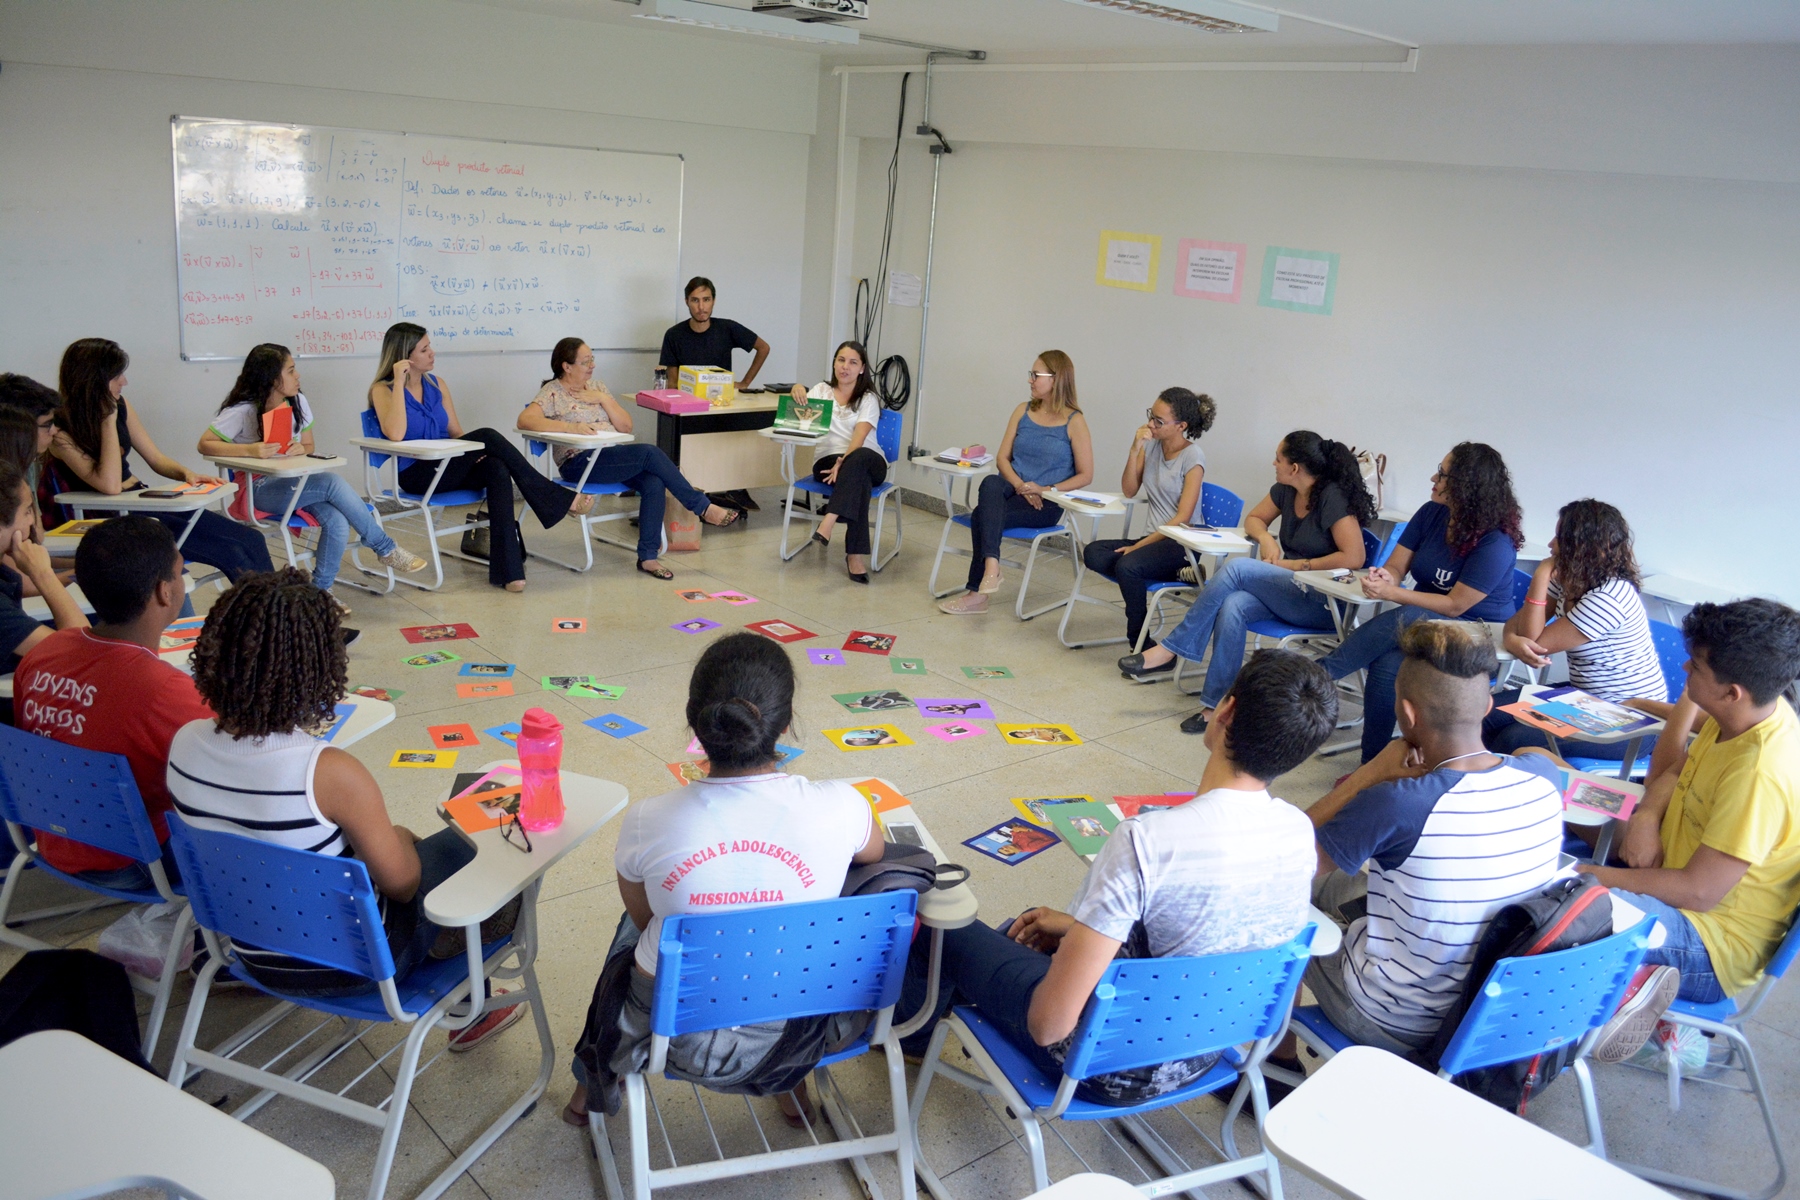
(1374,647)
(337,508)
(1243,591)
(1684,950)
(983,967)
(646,470)
(135,877)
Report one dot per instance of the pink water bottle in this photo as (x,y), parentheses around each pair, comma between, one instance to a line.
(540,768)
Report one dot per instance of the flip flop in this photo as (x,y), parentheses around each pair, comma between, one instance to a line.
(731,518)
(658,572)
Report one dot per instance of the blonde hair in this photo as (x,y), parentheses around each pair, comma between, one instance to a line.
(1062,386)
(399,342)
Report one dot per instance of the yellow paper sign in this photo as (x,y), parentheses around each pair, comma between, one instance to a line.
(1128,260)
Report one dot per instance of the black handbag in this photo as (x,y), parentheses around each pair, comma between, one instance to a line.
(476,542)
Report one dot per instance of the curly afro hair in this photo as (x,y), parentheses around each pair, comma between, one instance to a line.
(271,657)
(1481,497)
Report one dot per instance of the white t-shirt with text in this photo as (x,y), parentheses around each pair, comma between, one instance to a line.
(242,423)
(744,842)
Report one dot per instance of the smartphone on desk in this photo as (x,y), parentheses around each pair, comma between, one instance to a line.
(323,457)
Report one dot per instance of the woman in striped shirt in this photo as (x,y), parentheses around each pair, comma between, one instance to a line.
(1590,584)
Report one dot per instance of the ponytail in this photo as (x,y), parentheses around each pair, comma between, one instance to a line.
(1330,462)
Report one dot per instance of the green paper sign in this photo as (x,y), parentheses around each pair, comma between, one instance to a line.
(1299,280)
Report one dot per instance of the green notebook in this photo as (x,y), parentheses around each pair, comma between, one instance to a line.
(1084,826)
(810,417)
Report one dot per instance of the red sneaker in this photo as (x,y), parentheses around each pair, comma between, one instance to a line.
(495,1020)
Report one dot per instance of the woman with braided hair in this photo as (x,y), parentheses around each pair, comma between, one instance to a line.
(271,664)
(1321,506)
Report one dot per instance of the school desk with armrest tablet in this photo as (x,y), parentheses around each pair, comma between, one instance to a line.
(139,501)
(290,466)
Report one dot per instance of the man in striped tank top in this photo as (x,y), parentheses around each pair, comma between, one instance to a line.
(1450,834)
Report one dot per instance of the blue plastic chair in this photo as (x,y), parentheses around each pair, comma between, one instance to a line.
(1536,1004)
(1220,508)
(1380,557)
(1033,538)
(411,504)
(1143,1012)
(540,451)
(887,437)
(1672,656)
(1729,1020)
(774,963)
(324,910)
(87,797)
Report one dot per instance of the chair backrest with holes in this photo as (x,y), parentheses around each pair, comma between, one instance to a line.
(1521,582)
(1371,549)
(1220,507)
(715,970)
(82,795)
(1672,655)
(1541,1002)
(309,906)
(887,433)
(1388,543)
(1147,1011)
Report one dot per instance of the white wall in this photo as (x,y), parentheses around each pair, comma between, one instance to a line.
(1628,333)
(87,242)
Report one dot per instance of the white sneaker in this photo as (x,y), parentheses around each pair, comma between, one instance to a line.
(402,559)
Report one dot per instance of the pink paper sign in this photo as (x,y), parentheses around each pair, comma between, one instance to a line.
(1210,270)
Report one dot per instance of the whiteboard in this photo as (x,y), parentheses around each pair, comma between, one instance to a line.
(319,239)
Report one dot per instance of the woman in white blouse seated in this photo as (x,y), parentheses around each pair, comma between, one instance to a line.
(573,401)
(1590,584)
(842,459)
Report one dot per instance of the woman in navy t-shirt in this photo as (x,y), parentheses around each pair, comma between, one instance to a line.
(1460,548)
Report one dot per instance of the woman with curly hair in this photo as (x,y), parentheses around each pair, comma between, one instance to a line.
(1591,581)
(1460,548)
(271,665)
(1321,505)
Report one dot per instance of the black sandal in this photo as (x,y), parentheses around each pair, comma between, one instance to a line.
(657,572)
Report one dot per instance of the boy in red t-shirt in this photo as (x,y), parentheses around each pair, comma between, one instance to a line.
(106,689)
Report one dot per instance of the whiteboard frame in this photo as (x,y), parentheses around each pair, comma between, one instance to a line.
(175,193)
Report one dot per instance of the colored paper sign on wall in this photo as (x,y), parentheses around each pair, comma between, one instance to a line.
(1299,280)
(1128,260)
(1210,270)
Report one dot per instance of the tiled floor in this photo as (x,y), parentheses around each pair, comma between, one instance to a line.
(960,789)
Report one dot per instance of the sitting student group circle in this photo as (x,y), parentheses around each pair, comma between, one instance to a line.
(1454,811)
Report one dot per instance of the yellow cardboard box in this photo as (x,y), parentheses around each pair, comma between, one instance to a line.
(713,384)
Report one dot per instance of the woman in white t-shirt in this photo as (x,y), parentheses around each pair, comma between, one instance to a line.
(842,459)
(1167,465)
(268,381)
(1591,581)
(745,836)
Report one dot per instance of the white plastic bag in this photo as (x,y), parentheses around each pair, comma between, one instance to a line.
(139,940)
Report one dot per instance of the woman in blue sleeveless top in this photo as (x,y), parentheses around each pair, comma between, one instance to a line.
(412,404)
(1046,445)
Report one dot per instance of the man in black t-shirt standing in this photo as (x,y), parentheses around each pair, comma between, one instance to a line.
(702,341)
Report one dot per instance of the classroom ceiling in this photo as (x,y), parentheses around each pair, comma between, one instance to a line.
(1024,30)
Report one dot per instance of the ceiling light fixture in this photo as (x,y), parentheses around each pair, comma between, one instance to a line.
(737,20)
(1210,16)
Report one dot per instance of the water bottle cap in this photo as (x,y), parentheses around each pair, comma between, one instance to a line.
(538,723)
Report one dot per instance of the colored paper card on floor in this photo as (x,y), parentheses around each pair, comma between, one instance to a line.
(869,643)
(1131,806)
(694,595)
(484,691)
(781,631)
(1036,809)
(603,691)
(687,772)
(442,759)
(825,658)
(376,693)
(880,796)
(1299,280)
(871,701)
(437,633)
(490,670)
(954,731)
(694,747)
(508,733)
(479,802)
(970,709)
(338,722)
(907,666)
(867,737)
(697,625)
(1084,826)
(734,597)
(1594,796)
(431,659)
(786,754)
(451,737)
(567,683)
(1039,735)
(1012,842)
(613,725)
(569,625)
(989,673)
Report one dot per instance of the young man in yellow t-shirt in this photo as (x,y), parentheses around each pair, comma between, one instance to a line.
(1713,851)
